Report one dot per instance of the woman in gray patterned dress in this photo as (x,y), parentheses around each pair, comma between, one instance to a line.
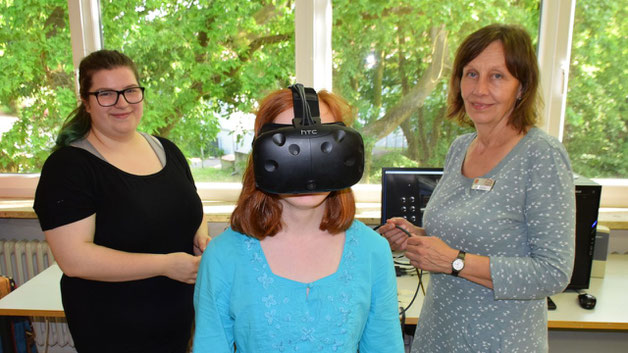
(499,229)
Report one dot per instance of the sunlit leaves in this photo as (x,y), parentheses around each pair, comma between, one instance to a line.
(596,128)
(382,50)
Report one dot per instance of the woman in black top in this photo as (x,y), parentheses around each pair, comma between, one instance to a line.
(123,219)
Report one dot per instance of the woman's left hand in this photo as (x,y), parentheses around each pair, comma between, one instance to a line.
(201,238)
(430,254)
(200,242)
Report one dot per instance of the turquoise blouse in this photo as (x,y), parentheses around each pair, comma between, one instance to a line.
(239,300)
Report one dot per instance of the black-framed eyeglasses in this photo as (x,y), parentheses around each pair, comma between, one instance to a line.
(108,98)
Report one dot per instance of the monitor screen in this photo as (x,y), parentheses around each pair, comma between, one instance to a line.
(406,191)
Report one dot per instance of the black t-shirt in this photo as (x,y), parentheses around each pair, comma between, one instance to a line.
(158,214)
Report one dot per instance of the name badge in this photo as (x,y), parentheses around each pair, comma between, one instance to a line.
(484,184)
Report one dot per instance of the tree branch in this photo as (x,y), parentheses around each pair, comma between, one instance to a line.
(415,98)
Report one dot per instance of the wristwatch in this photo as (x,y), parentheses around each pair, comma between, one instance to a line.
(458,264)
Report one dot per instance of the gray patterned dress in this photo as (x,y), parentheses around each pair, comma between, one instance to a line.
(525,224)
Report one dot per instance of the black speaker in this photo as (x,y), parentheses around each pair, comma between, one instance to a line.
(587,206)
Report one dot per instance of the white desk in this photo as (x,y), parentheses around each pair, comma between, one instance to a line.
(40,296)
(610,312)
(611,309)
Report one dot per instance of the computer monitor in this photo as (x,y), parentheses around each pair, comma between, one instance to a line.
(406,191)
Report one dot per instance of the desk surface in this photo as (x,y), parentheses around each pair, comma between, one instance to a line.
(41,296)
(610,312)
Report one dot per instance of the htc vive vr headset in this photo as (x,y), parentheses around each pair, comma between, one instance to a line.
(307,156)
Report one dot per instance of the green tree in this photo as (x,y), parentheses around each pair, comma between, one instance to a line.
(36,79)
(393,60)
(204,60)
(596,129)
(199,60)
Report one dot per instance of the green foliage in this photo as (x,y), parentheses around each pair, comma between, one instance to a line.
(36,80)
(390,159)
(596,129)
(199,60)
(383,50)
(204,60)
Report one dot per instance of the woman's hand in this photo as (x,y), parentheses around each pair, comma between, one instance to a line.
(200,243)
(201,238)
(396,237)
(430,254)
(182,267)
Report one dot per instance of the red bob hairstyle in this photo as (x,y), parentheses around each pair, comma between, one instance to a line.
(257,213)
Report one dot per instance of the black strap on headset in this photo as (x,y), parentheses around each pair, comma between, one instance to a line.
(305,101)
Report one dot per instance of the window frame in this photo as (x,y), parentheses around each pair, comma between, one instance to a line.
(554,54)
(313,63)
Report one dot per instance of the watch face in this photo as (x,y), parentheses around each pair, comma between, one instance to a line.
(458,264)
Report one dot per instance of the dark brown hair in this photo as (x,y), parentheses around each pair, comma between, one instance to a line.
(78,123)
(521,62)
(257,213)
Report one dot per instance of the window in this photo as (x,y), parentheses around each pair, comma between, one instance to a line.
(204,64)
(392,61)
(36,81)
(596,128)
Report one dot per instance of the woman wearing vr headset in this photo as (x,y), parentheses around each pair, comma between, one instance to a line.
(121,214)
(499,227)
(296,272)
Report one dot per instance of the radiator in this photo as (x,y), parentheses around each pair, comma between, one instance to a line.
(23,260)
